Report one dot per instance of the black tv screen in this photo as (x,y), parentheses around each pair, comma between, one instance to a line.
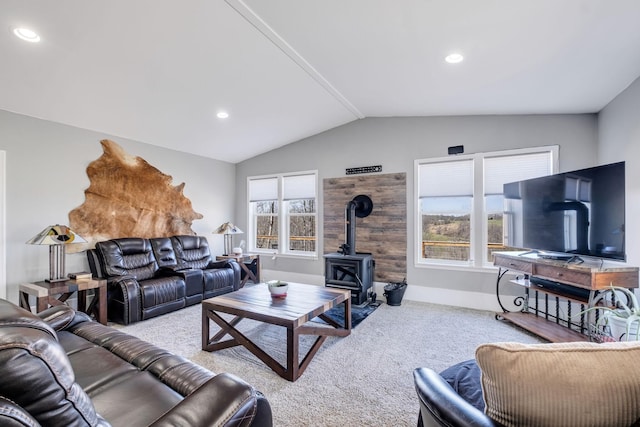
(573,213)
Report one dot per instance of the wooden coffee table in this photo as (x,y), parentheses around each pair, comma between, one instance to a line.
(303,303)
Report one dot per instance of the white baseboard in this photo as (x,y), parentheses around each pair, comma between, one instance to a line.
(457,298)
(310,279)
(467,299)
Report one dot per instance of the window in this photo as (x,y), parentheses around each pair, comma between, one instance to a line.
(283,214)
(461,217)
(446,210)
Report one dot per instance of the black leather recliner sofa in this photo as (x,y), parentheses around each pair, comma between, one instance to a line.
(150,277)
(59,368)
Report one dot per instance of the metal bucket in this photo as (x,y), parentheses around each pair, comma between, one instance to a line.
(394,292)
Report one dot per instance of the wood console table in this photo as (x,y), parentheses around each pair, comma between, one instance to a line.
(546,323)
(57,293)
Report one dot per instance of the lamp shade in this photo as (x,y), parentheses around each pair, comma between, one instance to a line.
(56,235)
(228,228)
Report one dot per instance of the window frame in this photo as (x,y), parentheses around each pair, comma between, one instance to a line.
(418,219)
(478,256)
(283,216)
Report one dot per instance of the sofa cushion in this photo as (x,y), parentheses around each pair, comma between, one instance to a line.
(114,366)
(192,251)
(464,378)
(561,384)
(162,290)
(129,256)
(216,281)
(163,252)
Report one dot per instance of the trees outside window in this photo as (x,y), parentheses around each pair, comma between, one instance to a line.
(266,216)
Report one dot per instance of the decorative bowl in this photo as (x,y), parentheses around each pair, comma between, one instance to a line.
(278,288)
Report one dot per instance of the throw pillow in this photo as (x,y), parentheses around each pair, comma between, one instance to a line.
(464,378)
(561,384)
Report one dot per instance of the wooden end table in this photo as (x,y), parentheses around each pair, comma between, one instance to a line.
(245,260)
(303,303)
(57,293)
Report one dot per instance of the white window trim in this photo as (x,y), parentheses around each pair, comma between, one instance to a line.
(283,216)
(478,234)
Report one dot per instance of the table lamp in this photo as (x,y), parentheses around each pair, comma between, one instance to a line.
(56,237)
(228,229)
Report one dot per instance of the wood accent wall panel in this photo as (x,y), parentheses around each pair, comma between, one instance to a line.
(383,233)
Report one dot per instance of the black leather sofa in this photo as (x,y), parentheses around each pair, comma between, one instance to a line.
(59,368)
(150,277)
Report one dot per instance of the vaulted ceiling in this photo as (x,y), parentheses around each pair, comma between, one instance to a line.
(159,71)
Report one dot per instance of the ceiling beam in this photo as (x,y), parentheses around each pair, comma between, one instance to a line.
(258,23)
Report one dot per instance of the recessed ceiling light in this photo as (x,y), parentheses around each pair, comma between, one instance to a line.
(454,58)
(222,115)
(27,35)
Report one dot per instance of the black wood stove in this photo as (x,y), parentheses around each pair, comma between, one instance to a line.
(348,269)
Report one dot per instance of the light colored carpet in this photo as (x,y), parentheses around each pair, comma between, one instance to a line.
(365,379)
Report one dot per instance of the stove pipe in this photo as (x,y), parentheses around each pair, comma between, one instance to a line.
(361,206)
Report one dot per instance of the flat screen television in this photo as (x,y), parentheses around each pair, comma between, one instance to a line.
(569,214)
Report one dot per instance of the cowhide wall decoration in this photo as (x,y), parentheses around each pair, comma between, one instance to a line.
(127,197)
(383,233)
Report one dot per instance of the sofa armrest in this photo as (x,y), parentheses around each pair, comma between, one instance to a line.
(12,415)
(224,400)
(440,405)
(181,271)
(231,264)
(223,263)
(57,317)
(127,290)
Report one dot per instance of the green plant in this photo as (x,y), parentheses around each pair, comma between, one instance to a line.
(277,283)
(612,305)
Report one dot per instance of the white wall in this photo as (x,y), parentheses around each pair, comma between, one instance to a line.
(395,143)
(619,139)
(46,178)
